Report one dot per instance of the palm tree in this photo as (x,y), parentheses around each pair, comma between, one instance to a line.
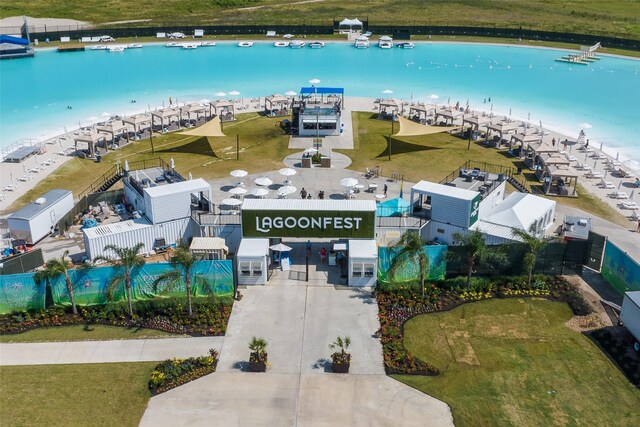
(258,345)
(183,264)
(57,267)
(125,261)
(476,252)
(411,251)
(532,245)
(341,344)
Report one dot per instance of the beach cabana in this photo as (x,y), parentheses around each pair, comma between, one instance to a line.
(276,105)
(475,121)
(165,114)
(91,139)
(536,149)
(503,128)
(350,25)
(448,114)
(387,108)
(137,121)
(416,112)
(546,159)
(190,109)
(524,138)
(224,109)
(114,127)
(560,180)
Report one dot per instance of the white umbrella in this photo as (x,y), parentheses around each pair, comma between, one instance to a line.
(259,192)
(231,202)
(433,96)
(291,93)
(387,91)
(287,172)
(632,193)
(263,181)
(619,184)
(348,182)
(314,81)
(220,94)
(173,164)
(280,248)
(585,125)
(311,150)
(238,190)
(234,93)
(190,177)
(239,173)
(126,165)
(601,146)
(287,189)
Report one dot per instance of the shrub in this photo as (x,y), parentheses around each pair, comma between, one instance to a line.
(173,373)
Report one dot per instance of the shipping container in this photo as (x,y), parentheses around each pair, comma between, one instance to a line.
(40,217)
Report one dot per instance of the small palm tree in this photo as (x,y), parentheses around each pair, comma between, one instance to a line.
(476,252)
(411,251)
(125,261)
(258,345)
(57,267)
(532,245)
(183,264)
(341,344)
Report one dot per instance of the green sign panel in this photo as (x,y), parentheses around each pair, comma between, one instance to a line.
(324,224)
(474,209)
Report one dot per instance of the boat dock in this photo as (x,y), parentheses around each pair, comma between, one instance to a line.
(71,48)
(586,56)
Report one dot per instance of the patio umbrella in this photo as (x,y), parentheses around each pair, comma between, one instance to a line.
(287,189)
(280,248)
(291,93)
(231,202)
(595,164)
(239,173)
(619,185)
(264,181)
(632,193)
(348,182)
(287,172)
(237,190)
(234,93)
(220,94)
(601,146)
(311,150)
(259,192)
(586,156)
(314,81)
(387,91)
(606,172)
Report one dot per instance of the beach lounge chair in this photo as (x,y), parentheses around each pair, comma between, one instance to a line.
(595,174)
(161,35)
(85,39)
(630,205)
(271,34)
(635,216)
(619,195)
(608,185)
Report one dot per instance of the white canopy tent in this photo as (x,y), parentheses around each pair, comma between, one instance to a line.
(350,25)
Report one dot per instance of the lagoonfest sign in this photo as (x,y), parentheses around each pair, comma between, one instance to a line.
(299,223)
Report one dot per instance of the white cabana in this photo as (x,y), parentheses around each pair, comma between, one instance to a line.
(225,109)
(137,121)
(114,127)
(165,114)
(350,25)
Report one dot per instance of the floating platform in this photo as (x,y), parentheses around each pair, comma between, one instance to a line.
(71,48)
(572,61)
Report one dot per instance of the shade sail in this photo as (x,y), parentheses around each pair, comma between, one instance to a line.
(210,129)
(411,128)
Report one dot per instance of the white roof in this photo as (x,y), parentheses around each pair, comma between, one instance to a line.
(347,21)
(519,210)
(116,228)
(427,187)
(633,296)
(208,244)
(308,205)
(191,186)
(253,248)
(363,249)
(494,230)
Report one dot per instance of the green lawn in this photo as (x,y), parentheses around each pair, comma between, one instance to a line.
(514,362)
(110,394)
(583,16)
(82,333)
(263,146)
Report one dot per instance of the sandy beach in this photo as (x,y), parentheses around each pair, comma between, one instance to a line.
(597,178)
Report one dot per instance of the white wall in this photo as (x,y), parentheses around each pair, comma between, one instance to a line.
(444,232)
(168,207)
(490,201)
(630,316)
(35,229)
(252,279)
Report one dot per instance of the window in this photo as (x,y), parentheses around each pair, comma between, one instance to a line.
(440,230)
(362,269)
(251,268)
(256,267)
(245,268)
(356,269)
(368,269)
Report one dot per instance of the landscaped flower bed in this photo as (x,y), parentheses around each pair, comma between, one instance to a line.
(173,373)
(210,316)
(397,306)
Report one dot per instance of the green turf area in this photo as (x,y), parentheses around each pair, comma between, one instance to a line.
(263,146)
(514,362)
(82,333)
(109,394)
(581,16)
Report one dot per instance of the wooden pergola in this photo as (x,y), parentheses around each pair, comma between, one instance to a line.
(561,180)
(449,114)
(416,111)
(524,138)
(276,105)
(114,128)
(225,109)
(385,104)
(137,121)
(167,114)
(190,109)
(91,139)
(503,127)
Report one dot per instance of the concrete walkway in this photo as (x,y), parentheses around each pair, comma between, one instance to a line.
(147,350)
(299,320)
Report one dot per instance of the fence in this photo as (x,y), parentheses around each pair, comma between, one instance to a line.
(409,270)
(111,197)
(18,292)
(22,263)
(620,270)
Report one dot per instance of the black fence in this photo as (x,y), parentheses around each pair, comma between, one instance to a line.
(22,263)
(555,258)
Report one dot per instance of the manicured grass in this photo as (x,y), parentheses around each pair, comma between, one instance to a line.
(110,394)
(581,16)
(263,146)
(82,333)
(514,362)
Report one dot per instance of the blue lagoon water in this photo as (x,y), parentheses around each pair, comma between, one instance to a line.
(35,92)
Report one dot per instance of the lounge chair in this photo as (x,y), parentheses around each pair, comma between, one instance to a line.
(608,184)
(619,195)
(630,205)
(271,34)
(595,174)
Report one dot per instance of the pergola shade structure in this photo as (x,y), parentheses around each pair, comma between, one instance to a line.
(534,150)
(192,109)
(546,159)
(416,112)
(114,127)
(524,138)
(560,180)
(225,109)
(91,139)
(137,121)
(448,114)
(476,121)
(165,115)
(387,109)
(502,128)
(276,105)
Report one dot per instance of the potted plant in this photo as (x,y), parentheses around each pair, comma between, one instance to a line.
(341,359)
(258,356)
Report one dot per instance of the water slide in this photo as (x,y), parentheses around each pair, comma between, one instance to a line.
(13,40)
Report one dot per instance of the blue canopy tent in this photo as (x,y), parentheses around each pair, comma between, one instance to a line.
(393,207)
(307,92)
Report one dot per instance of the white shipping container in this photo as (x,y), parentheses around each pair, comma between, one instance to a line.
(39,218)
(252,261)
(630,314)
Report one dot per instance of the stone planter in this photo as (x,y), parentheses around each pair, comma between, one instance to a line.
(340,368)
